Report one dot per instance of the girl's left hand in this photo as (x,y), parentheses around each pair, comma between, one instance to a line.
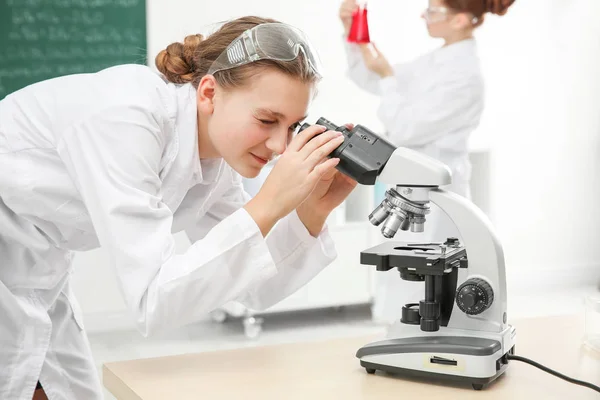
(375,60)
(333,188)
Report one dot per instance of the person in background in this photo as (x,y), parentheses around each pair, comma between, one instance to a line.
(431,105)
(123,158)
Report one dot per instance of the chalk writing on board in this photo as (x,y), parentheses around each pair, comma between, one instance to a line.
(40,54)
(42,39)
(71,33)
(20,16)
(25,72)
(43,70)
(74,3)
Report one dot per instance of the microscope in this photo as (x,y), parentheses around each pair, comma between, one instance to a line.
(458,331)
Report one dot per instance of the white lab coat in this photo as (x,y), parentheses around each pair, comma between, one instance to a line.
(431,105)
(111,159)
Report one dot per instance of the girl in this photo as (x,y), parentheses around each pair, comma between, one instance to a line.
(125,157)
(431,105)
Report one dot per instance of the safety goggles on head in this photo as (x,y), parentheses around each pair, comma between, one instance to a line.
(269,41)
(438,14)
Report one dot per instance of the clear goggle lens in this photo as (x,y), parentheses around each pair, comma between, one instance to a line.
(271,41)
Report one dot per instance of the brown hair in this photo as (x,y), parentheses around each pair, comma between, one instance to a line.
(189,61)
(478,8)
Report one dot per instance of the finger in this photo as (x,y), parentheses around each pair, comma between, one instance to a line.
(322,152)
(318,142)
(320,170)
(349,126)
(343,185)
(346,14)
(348,9)
(329,175)
(349,181)
(300,140)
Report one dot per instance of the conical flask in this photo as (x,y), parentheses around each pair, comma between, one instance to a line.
(359,31)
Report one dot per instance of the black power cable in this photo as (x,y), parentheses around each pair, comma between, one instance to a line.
(550,371)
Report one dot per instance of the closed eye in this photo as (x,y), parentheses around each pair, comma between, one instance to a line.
(267,121)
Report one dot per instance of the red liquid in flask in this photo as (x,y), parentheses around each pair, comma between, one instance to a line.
(359,31)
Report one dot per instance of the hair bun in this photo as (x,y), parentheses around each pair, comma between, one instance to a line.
(498,7)
(176,62)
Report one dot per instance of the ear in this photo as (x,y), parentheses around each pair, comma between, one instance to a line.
(461,21)
(205,95)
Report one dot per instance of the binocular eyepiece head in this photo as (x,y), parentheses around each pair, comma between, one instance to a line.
(363,154)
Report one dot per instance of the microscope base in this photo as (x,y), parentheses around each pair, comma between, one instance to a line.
(475,361)
(476,383)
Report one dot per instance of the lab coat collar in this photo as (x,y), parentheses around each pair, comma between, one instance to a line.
(187,126)
(456,51)
(203,171)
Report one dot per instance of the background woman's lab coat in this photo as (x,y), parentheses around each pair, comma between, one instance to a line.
(431,105)
(111,159)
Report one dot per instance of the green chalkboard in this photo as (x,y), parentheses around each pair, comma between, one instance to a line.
(41,39)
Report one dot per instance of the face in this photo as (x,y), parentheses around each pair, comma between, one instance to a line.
(249,126)
(443,22)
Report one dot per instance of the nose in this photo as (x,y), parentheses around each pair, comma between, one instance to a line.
(277,143)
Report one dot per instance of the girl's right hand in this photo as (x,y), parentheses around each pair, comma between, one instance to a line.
(347,10)
(294,176)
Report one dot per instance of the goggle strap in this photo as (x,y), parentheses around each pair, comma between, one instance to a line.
(250,47)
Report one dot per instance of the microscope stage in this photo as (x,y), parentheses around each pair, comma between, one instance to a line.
(425,259)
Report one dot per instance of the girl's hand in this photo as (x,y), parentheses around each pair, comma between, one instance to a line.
(294,176)
(329,193)
(333,188)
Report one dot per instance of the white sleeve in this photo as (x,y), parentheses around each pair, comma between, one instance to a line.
(357,70)
(368,80)
(423,118)
(114,159)
(298,256)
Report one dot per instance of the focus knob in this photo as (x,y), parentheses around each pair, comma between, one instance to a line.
(474,296)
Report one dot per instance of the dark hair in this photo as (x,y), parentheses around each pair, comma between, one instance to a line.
(479,7)
(189,61)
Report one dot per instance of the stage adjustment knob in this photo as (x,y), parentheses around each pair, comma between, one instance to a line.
(474,296)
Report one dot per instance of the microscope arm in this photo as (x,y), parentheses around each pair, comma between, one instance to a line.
(485,257)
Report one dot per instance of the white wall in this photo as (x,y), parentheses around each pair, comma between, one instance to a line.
(542,120)
(543,123)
